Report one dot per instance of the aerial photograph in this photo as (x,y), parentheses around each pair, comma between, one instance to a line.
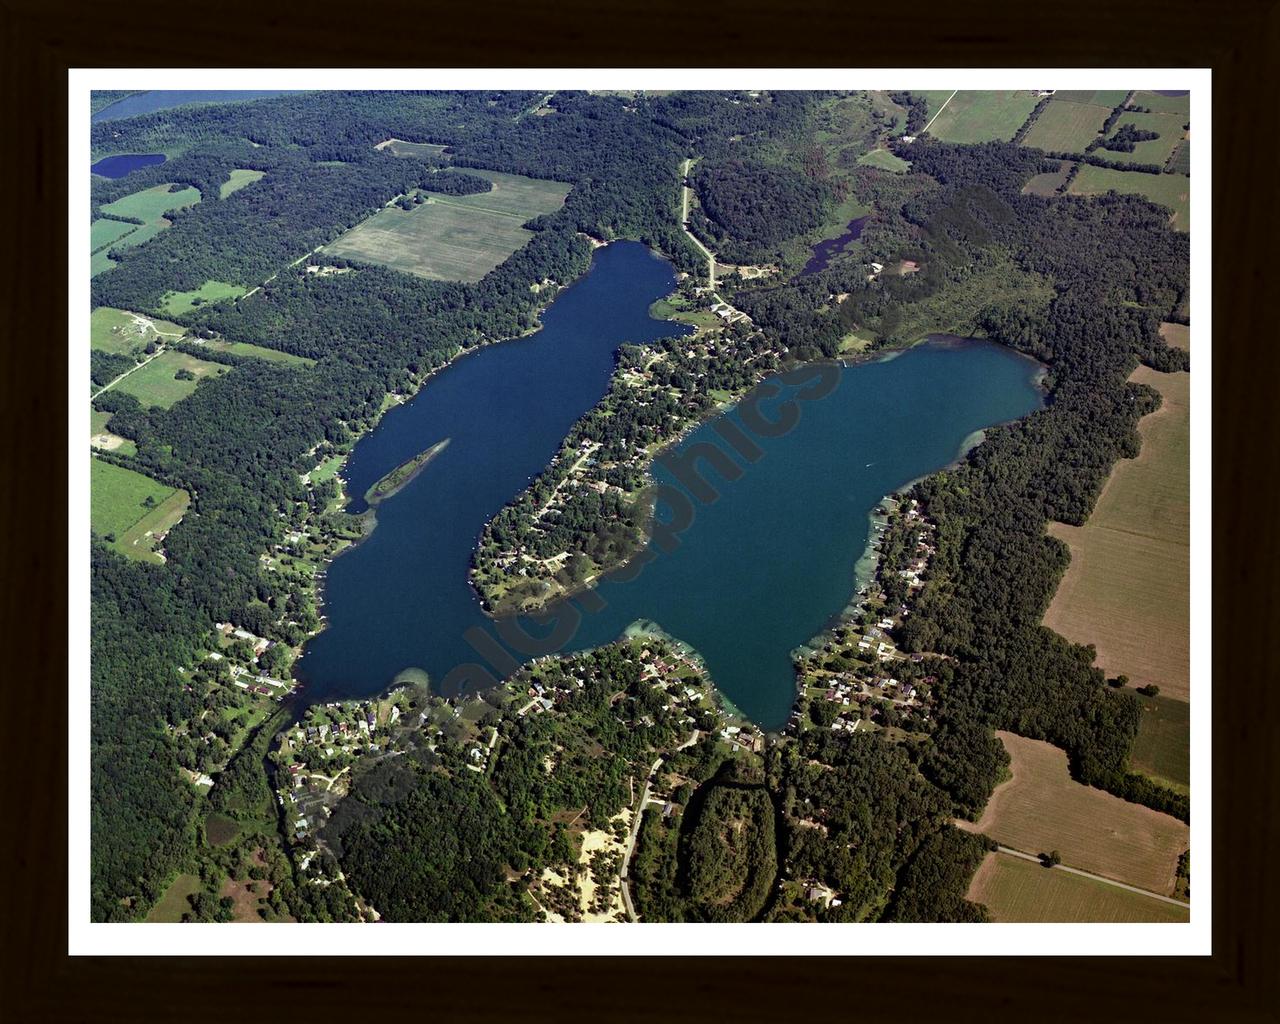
(638,506)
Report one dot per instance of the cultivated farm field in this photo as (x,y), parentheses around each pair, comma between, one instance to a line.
(454,238)
(118,507)
(1127,589)
(155,383)
(1041,808)
(1171,190)
(1160,104)
(1014,889)
(1109,98)
(1066,127)
(983,116)
(1162,750)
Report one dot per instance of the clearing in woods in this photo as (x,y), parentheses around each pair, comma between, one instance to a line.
(123,333)
(1171,190)
(1047,184)
(178,303)
(1014,889)
(156,383)
(1127,590)
(239,179)
(1066,127)
(885,160)
(1041,808)
(134,509)
(174,903)
(454,238)
(243,348)
(419,150)
(982,116)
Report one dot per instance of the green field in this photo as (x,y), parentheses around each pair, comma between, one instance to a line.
(1163,747)
(982,116)
(1171,190)
(933,98)
(1066,127)
(151,204)
(118,507)
(885,160)
(155,383)
(1158,104)
(103,232)
(1109,98)
(99,262)
(178,303)
(173,904)
(241,348)
(1154,151)
(239,179)
(1013,889)
(454,238)
(124,333)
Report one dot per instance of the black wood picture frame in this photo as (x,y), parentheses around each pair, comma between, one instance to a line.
(1238,39)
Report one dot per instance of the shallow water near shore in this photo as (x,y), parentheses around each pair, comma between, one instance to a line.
(757,571)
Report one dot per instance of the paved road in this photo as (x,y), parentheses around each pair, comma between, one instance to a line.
(1097,878)
(107,387)
(635,829)
(940,110)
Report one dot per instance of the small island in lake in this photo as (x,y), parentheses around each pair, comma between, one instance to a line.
(403,474)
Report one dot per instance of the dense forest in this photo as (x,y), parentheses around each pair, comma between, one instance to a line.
(1083,286)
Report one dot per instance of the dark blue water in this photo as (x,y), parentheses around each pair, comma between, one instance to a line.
(164,99)
(824,252)
(757,572)
(119,166)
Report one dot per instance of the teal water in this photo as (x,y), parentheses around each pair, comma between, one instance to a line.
(755,572)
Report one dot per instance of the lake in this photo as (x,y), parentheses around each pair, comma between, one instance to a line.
(164,99)
(755,574)
(825,251)
(125,163)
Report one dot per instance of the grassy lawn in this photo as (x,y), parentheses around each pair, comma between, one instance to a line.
(1163,747)
(885,160)
(454,238)
(982,116)
(118,507)
(124,333)
(156,384)
(1127,589)
(241,348)
(1171,190)
(1066,127)
(1014,889)
(178,303)
(327,470)
(173,904)
(1041,808)
(239,179)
